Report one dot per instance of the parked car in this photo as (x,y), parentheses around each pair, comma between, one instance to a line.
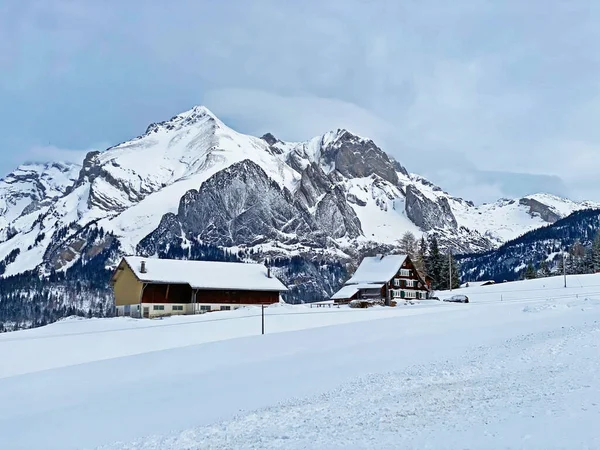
(434,298)
(457,299)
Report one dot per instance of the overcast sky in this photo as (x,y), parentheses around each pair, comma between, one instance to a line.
(487,98)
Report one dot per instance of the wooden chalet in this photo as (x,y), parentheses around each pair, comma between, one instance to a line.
(150,287)
(384,278)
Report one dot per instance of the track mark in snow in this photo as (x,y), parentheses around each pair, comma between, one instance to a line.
(512,395)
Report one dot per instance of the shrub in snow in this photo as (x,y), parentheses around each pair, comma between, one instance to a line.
(362,303)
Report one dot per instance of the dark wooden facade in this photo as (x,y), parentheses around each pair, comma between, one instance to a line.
(183,293)
(167,293)
(407,280)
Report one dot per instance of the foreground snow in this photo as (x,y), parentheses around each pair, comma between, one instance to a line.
(490,374)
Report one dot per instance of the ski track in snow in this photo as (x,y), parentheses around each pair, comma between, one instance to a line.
(485,399)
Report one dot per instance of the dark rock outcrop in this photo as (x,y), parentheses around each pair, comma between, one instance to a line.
(428,214)
(355,157)
(539,209)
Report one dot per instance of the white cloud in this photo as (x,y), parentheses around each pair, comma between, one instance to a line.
(294,117)
(50,153)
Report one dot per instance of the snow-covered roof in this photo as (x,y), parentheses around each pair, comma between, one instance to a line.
(350,289)
(205,274)
(377,269)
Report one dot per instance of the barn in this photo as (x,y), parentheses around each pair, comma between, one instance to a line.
(151,287)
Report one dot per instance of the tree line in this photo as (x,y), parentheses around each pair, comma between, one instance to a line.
(430,261)
(577,260)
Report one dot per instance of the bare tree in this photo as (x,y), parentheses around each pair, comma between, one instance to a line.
(408,244)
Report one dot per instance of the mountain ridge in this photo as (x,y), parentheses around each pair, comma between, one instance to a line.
(331,198)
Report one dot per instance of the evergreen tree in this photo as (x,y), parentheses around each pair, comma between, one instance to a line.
(420,258)
(447,262)
(588,261)
(577,254)
(561,266)
(571,263)
(595,253)
(434,262)
(530,272)
(544,270)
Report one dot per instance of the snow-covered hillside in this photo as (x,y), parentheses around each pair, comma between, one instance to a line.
(336,194)
(28,189)
(519,360)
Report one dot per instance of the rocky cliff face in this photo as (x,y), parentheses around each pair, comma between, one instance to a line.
(535,207)
(239,205)
(242,206)
(34,185)
(428,214)
(355,157)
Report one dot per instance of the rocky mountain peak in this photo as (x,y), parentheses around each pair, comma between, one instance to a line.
(270,139)
(357,157)
(184,119)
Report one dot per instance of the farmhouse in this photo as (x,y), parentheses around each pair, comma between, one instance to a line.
(384,278)
(150,287)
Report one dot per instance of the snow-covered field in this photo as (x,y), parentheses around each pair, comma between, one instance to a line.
(516,368)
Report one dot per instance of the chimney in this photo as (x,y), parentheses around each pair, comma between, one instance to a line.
(269,271)
(143,267)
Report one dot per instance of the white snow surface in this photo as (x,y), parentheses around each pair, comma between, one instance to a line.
(349,290)
(205,274)
(379,268)
(520,373)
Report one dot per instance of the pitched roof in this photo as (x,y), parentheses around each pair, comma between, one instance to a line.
(377,269)
(205,274)
(350,289)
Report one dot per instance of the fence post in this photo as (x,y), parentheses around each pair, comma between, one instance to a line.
(263,319)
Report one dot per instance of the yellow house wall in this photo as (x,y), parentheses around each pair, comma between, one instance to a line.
(127,287)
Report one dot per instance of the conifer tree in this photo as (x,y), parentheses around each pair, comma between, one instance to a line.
(596,253)
(544,270)
(530,273)
(420,258)
(450,262)
(434,262)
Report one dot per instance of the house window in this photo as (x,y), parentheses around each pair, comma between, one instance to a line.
(410,283)
(225,308)
(405,273)
(177,307)
(205,307)
(158,307)
(396,282)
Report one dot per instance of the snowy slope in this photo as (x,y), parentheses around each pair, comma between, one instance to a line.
(442,376)
(507,219)
(26,195)
(30,187)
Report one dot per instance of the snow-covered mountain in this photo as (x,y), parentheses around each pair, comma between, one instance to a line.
(193,179)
